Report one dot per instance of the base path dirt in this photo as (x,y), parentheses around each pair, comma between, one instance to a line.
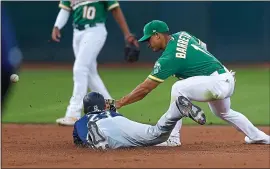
(50,146)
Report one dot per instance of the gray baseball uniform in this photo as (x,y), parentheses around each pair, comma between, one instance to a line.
(119,132)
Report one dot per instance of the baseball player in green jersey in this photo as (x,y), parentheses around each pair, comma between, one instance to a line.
(204,79)
(89,36)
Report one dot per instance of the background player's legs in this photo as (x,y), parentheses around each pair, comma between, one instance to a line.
(122,132)
(69,118)
(221,108)
(95,83)
(76,43)
(91,42)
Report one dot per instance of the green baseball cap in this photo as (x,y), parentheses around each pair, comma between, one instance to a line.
(155,26)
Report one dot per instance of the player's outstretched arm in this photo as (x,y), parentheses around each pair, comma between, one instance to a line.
(120,19)
(60,22)
(138,93)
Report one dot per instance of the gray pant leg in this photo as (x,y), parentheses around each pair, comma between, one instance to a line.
(122,132)
(165,124)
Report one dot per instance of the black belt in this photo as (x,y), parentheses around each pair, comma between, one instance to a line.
(83,27)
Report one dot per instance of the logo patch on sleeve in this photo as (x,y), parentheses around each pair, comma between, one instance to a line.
(157,68)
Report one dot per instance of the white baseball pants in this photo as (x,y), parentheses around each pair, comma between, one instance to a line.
(216,90)
(86,45)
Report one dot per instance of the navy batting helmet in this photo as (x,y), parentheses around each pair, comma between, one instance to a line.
(93,102)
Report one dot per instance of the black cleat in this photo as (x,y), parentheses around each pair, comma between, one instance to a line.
(190,110)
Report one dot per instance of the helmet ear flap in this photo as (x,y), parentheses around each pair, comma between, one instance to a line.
(85,110)
(88,109)
(85,104)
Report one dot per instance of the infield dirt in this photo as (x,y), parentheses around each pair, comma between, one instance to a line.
(50,146)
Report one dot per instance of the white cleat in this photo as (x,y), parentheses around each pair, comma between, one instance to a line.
(67,121)
(263,141)
(173,141)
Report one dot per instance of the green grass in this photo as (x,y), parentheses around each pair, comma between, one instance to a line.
(41,96)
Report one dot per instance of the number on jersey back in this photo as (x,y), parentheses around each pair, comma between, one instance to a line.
(103,115)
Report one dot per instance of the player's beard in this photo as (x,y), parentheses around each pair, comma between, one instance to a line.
(155,49)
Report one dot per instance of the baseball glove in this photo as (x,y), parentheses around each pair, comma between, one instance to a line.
(110,104)
(132,52)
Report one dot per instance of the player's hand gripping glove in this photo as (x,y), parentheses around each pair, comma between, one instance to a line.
(110,104)
(132,50)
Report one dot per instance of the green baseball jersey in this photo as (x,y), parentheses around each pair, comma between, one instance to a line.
(87,11)
(184,57)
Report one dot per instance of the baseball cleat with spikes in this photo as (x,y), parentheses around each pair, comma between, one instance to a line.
(265,140)
(66,121)
(173,141)
(190,110)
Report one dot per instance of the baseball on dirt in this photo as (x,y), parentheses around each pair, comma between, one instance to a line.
(14,78)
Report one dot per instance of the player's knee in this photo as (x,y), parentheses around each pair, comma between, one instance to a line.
(80,71)
(93,71)
(176,91)
(217,94)
(220,91)
(223,114)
